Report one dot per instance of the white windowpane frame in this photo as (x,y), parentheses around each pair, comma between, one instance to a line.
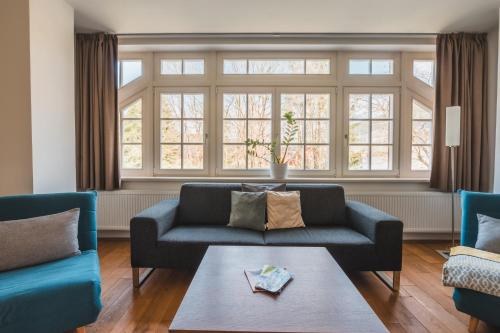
(130,70)
(304,66)
(131,135)
(245,115)
(371,67)
(421,136)
(310,148)
(182,66)
(371,141)
(423,70)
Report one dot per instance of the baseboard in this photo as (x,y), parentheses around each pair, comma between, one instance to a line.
(103,234)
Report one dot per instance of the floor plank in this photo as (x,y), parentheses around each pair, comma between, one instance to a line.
(423,305)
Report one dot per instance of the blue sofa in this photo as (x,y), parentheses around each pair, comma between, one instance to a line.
(56,296)
(478,305)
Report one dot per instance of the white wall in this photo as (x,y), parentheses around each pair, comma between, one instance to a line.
(52,95)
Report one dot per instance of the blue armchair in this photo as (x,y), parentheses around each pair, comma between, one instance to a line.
(56,296)
(478,305)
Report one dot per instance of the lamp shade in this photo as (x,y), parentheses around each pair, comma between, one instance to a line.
(452,138)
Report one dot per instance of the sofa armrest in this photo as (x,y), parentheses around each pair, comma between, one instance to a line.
(385,230)
(147,226)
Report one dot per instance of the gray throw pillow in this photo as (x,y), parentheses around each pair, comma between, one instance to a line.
(263,187)
(248,210)
(488,233)
(36,240)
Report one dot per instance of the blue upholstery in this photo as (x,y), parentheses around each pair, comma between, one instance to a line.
(479,305)
(57,296)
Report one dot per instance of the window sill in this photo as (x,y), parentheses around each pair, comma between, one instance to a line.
(271,180)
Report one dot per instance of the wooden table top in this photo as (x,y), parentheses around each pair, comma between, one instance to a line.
(321,298)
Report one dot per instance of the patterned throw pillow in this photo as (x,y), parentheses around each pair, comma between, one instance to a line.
(283,210)
(488,234)
(248,210)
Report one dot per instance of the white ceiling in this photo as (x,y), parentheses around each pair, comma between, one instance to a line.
(285,16)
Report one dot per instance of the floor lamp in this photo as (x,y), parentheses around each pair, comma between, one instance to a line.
(452,141)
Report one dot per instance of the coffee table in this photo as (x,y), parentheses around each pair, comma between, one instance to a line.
(321,298)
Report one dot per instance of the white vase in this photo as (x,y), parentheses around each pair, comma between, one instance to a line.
(279,171)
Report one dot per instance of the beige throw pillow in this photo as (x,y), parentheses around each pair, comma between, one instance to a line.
(283,210)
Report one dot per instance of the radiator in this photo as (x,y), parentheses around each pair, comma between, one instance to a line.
(421,212)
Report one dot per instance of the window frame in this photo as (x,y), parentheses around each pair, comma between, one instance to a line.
(146,143)
(396,127)
(414,84)
(157,171)
(181,79)
(370,79)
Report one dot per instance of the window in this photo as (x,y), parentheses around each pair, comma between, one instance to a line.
(245,116)
(424,71)
(131,135)
(421,137)
(129,71)
(182,130)
(182,67)
(311,148)
(370,131)
(371,67)
(276,66)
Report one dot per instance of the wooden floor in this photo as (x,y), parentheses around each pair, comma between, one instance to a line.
(422,305)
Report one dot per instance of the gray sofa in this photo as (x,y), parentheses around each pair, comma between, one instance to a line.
(176,233)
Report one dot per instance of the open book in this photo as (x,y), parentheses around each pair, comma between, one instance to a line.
(269,278)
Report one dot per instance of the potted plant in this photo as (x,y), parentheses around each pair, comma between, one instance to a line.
(278,161)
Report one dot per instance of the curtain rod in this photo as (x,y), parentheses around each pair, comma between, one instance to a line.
(276,35)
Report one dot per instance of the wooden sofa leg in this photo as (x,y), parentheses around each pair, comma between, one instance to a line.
(394,284)
(473,322)
(138,278)
(80,330)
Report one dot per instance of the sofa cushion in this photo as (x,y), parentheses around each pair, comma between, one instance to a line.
(322,204)
(211,235)
(53,297)
(316,236)
(205,203)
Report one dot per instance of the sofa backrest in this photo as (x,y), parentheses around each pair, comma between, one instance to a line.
(210,203)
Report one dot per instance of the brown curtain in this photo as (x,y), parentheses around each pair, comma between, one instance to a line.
(461,78)
(96,112)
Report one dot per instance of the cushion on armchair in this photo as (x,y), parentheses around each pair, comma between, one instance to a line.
(488,233)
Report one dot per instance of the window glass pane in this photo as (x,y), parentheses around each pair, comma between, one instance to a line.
(317,131)
(257,162)
(381,158)
(235,106)
(170,156)
(193,105)
(293,103)
(295,157)
(421,132)
(171,67)
(131,131)
(133,110)
(235,66)
(359,66)
(259,106)
(382,66)
(299,137)
(192,157)
(359,131)
(420,111)
(421,158)
(276,66)
(170,131)
(130,70)
(317,157)
(382,106)
(424,71)
(234,157)
(131,156)
(358,157)
(318,66)
(194,67)
(382,132)
(318,106)
(170,105)
(359,106)
(234,131)
(260,130)
(192,131)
